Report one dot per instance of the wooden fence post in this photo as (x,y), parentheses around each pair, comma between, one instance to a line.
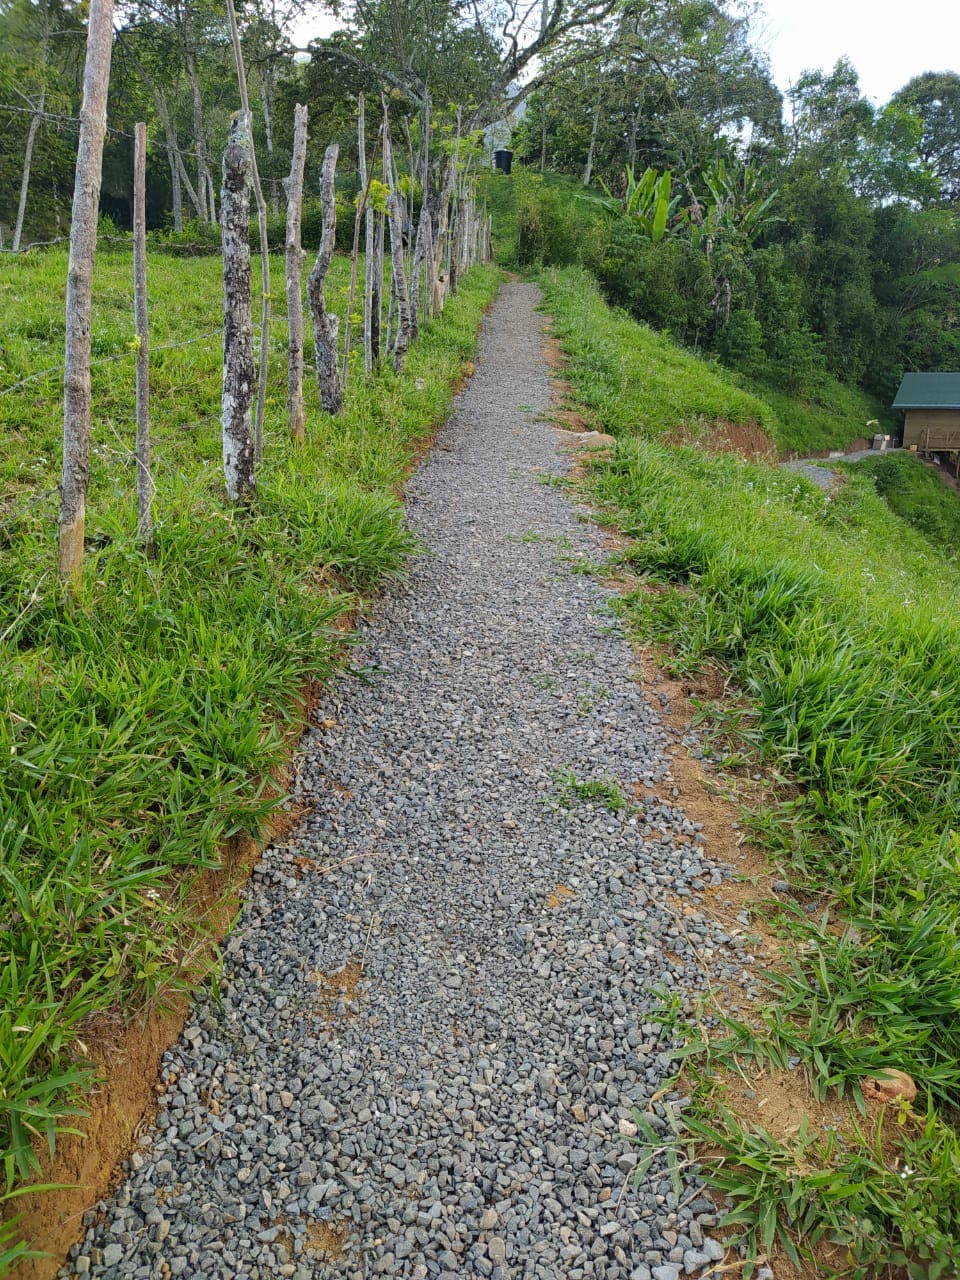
(238,376)
(326,325)
(294,189)
(264,245)
(83,243)
(398,271)
(144,477)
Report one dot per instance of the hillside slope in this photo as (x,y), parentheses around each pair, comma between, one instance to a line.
(836,628)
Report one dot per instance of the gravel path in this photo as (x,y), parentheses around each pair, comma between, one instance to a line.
(825,477)
(437,1020)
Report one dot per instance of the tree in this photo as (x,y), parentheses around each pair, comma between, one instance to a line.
(41,65)
(934,96)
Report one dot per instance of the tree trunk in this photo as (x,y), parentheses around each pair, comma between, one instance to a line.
(175,190)
(398,270)
(588,171)
(264,245)
(172,144)
(34,126)
(25,180)
(83,243)
(144,477)
(266,101)
(211,199)
(294,190)
(632,136)
(238,375)
(199,139)
(325,325)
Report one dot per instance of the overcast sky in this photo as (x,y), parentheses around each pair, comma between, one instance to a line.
(887,42)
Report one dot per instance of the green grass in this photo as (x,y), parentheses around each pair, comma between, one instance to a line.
(140,724)
(639,381)
(836,415)
(571,791)
(918,495)
(842,630)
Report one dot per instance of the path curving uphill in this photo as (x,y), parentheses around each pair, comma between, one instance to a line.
(438,1014)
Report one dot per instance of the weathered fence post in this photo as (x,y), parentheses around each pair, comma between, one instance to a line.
(369,241)
(376,298)
(144,477)
(362,211)
(398,271)
(83,243)
(238,378)
(326,325)
(264,245)
(294,189)
(423,230)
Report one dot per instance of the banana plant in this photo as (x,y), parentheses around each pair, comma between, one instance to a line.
(737,208)
(647,201)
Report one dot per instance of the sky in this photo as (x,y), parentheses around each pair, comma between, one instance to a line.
(887,42)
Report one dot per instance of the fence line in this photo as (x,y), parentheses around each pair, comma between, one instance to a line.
(112,131)
(118,355)
(11,514)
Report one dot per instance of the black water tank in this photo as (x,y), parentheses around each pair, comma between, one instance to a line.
(502,160)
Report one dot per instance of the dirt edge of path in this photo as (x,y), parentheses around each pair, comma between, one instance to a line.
(126,1060)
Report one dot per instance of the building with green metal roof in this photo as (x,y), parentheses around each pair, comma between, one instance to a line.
(931,411)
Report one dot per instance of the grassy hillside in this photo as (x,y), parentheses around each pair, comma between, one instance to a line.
(550,221)
(139,724)
(647,384)
(834,416)
(917,493)
(841,630)
(641,382)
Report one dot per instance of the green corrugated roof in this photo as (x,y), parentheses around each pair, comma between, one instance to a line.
(929,391)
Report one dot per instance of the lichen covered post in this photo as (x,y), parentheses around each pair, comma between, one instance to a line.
(294,250)
(326,326)
(398,270)
(238,375)
(83,243)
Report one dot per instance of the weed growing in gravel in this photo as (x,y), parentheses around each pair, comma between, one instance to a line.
(587,703)
(570,791)
(546,681)
(140,725)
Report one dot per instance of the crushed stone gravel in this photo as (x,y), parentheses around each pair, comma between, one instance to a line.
(438,1018)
